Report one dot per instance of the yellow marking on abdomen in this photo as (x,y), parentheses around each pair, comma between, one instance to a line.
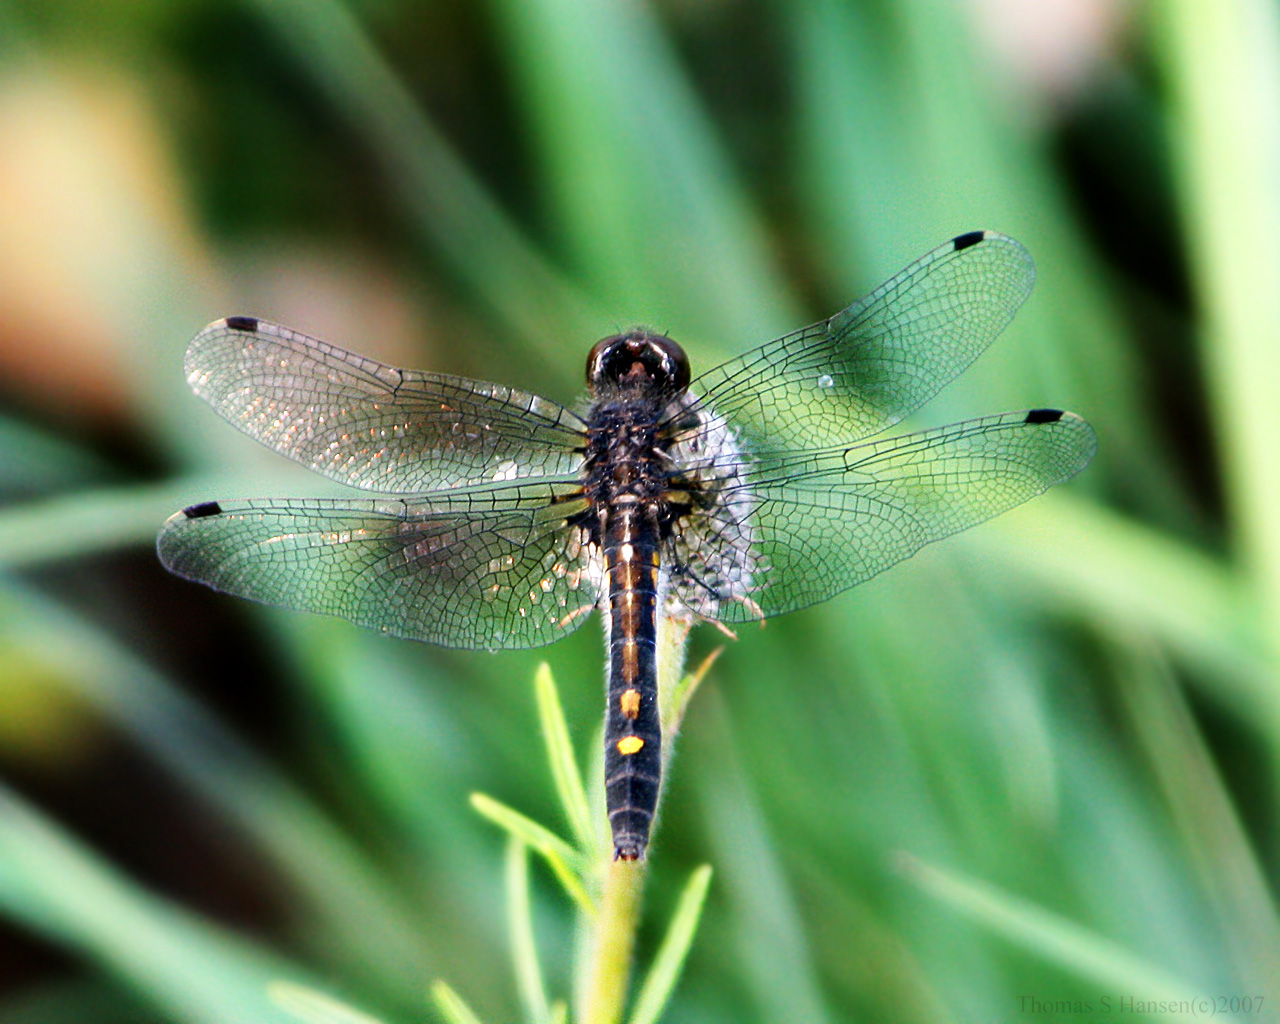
(629,703)
(630,744)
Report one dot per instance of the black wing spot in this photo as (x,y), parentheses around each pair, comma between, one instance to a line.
(243,323)
(205,508)
(968,239)
(1043,416)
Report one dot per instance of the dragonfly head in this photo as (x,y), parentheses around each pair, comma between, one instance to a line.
(639,360)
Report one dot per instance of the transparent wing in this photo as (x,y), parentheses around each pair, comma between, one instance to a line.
(793,531)
(374,426)
(867,367)
(495,570)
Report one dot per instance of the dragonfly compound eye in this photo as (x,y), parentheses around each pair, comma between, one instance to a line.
(638,359)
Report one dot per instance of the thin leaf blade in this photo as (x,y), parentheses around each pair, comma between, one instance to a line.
(672,954)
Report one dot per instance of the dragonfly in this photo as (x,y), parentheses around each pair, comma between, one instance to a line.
(500,519)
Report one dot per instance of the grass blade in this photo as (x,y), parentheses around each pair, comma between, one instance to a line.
(57,528)
(453,212)
(451,1005)
(1210,826)
(708,266)
(1223,64)
(315,1007)
(181,962)
(1119,571)
(331,873)
(1062,942)
(766,923)
(36,461)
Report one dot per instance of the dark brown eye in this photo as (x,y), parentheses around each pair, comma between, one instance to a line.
(638,359)
(675,362)
(599,358)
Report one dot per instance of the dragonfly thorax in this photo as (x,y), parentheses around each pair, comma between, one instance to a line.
(637,361)
(625,459)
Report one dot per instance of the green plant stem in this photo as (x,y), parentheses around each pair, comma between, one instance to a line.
(612,935)
(613,943)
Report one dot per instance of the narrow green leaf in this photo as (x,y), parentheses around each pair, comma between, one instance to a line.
(559,1012)
(1071,946)
(540,838)
(524,948)
(564,860)
(451,1006)
(673,952)
(315,1007)
(564,769)
(684,690)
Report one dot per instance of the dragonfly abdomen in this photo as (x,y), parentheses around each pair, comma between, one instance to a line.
(632,735)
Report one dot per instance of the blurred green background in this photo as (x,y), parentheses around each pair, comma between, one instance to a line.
(1034,766)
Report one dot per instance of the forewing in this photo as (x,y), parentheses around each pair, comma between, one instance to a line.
(796,531)
(374,426)
(867,367)
(495,570)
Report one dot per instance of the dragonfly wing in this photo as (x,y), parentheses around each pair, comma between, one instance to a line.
(495,569)
(864,369)
(374,426)
(792,531)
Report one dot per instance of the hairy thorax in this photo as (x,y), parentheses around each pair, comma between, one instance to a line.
(626,465)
